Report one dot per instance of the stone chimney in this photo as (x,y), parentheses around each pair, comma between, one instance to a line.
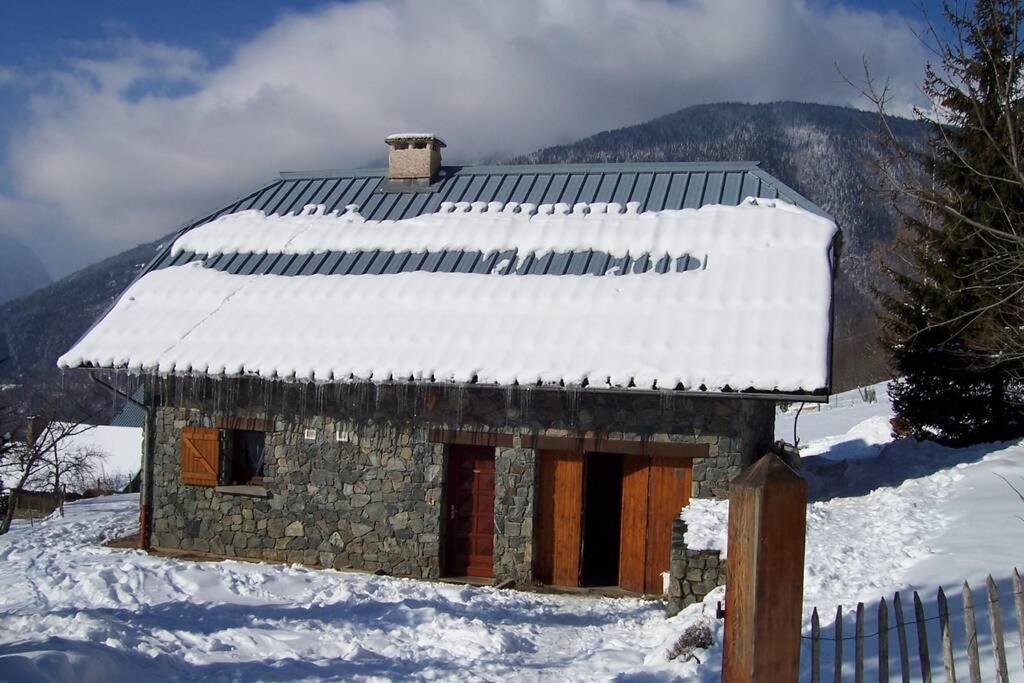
(33,426)
(413,156)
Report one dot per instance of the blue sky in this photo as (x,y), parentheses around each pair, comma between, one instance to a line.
(38,36)
(121,119)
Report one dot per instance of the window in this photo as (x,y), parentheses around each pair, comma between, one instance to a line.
(242,453)
(229,454)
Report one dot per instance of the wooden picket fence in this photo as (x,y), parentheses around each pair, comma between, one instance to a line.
(901,624)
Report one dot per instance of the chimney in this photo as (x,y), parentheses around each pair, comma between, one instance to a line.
(34,425)
(413,156)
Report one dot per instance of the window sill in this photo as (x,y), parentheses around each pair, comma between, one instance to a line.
(251,491)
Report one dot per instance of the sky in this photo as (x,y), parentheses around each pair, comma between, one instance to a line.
(120,119)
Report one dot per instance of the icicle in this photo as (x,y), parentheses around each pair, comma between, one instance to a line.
(573,395)
(459,394)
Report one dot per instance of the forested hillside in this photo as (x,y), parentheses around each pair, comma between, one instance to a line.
(823,152)
(21,271)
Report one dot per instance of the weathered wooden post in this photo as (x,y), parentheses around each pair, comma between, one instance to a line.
(765,570)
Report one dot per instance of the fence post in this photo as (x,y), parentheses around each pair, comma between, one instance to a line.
(765,569)
(995,621)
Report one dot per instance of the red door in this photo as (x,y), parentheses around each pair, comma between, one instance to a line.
(470,497)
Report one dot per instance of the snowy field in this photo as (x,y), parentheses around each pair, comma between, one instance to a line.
(71,610)
(883,517)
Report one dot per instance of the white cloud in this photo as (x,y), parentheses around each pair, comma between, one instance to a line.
(124,148)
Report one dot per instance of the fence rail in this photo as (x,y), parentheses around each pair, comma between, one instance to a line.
(917,629)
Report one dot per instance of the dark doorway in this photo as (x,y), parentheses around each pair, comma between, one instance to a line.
(602,518)
(469,494)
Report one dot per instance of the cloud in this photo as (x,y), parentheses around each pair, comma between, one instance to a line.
(125,146)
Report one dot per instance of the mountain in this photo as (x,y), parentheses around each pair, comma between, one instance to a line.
(821,151)
(21,271)
(37,328)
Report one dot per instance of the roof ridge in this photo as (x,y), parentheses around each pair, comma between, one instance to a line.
(477,169)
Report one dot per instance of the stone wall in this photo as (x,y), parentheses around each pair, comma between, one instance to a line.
(372,503)
(693,573)
(744,430)
(514,486)
(375,501)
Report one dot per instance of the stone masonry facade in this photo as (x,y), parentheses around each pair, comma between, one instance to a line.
(514,486)
(372,499)
(694,573)
(372,503)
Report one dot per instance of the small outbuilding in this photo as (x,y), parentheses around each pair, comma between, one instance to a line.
(493,373)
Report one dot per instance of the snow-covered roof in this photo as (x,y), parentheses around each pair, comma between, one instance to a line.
(747,305)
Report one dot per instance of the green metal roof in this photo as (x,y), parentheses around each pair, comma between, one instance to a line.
(656,186)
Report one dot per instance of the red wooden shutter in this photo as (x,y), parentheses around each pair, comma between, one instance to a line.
(200,456)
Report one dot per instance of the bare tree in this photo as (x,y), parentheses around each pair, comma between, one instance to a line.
(46,460)
(39,453)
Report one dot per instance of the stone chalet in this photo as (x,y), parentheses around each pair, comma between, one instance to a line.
(515,375)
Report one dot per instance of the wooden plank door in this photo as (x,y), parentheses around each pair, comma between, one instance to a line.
(633,529)
(470,498)
(669,492)
(200,456)
(559,518)
(654,490)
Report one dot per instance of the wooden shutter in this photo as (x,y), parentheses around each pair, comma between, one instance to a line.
(200,456)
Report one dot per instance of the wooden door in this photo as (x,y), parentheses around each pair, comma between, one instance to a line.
(559,518)
(470,501)
(633,529)
(654,490)
(670,479)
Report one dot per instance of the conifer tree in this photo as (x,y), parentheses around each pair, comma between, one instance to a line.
(948,322)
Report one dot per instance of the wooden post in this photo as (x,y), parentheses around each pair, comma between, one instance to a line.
(858,644)
(922,640)
(883,642)
(971,632)
(765,569)
(995,624)
(815,647)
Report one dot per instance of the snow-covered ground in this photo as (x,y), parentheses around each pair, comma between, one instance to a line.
(883,517)
(902,516)
(71,610)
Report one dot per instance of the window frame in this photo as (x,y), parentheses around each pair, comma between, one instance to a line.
(230,459)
